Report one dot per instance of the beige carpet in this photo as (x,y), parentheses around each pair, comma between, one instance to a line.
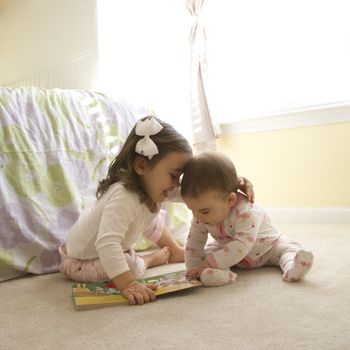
(258,312)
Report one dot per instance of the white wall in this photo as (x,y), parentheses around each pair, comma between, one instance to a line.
(36,36)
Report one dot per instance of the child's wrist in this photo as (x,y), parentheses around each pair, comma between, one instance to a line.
(204,264)
(123,279)
(127,284)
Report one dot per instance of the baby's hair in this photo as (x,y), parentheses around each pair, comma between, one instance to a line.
(209,171)
(122,167)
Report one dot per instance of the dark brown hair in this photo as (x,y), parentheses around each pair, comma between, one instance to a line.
(122,167)
(207,172)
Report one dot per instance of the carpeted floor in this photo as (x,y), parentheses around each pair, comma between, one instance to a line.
(259,311)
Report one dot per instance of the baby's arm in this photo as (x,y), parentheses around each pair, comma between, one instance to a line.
(196,240)
(246,231)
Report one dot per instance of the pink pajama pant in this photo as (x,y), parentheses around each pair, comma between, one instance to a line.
(280,254)
(91,270)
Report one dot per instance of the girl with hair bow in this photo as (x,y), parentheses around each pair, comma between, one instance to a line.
(144,174)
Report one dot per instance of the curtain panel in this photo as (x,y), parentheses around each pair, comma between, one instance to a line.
(204,128)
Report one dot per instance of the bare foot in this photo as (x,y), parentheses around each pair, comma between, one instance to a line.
(159,257)
(177,255)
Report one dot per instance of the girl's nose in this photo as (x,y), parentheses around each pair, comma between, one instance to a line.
(198,218)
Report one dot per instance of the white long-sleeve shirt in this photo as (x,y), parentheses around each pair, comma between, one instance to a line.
(109,228)
(244,236)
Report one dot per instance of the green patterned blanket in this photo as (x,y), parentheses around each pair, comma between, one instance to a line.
(54,146)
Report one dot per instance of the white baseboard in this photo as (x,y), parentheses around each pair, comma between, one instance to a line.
(310,215)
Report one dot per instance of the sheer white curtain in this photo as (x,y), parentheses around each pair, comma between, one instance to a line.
(204,128)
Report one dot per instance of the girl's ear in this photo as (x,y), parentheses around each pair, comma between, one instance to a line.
(232,198)
(140,165)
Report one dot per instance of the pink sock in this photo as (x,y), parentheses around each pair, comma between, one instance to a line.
(298,267)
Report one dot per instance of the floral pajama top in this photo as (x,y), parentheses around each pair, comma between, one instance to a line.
(243,238)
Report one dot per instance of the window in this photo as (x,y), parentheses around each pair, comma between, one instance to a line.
(263,56)
(272,55)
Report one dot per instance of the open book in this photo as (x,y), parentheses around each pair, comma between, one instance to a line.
(94,295)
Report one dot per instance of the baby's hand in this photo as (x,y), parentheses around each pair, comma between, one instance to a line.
(138,293)
(195,272)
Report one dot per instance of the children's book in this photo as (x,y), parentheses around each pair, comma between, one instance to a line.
(95,295)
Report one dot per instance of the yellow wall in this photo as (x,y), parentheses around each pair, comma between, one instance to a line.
(303,167)
(36,35)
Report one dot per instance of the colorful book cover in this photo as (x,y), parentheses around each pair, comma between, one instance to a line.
(95,295)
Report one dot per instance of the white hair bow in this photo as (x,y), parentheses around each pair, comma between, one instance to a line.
(146,128)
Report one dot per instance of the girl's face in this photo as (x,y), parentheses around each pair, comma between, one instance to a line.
(164,177)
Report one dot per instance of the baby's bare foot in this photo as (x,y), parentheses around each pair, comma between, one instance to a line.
(177,255)
(159,257)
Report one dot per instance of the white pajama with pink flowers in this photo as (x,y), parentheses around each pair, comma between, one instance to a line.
(246,239)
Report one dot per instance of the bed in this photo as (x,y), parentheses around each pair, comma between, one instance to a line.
(55,145)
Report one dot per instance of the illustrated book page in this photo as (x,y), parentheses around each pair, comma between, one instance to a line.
(95,295)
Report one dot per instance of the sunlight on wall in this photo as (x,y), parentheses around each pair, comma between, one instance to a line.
(144,55)
(39,35)
(295,167)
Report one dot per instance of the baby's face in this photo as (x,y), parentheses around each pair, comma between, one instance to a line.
(211,208)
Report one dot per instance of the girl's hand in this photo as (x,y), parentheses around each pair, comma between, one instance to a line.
(138,293)
(246,187)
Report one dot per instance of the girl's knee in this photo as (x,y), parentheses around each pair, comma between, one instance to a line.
(83,270)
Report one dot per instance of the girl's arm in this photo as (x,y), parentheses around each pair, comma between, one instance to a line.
(119,211)
(246,187)
(121,281)
(132,290)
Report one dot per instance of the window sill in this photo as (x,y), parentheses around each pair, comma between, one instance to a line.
(319,115)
